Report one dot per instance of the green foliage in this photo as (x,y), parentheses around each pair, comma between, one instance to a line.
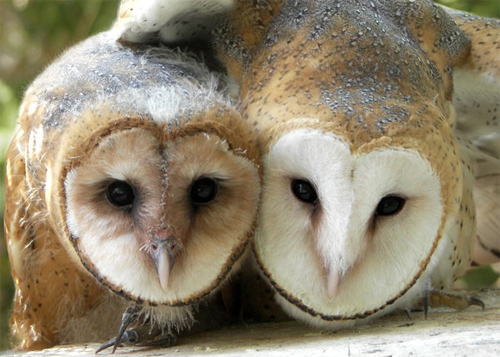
(9,103)
(34,32)
(8,109)
(480,277)
(488,8)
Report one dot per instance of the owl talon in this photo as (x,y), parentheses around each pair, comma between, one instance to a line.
(458,301)
(105,345)
(144,336)
(426,304)
(130,337)
(477,302)
(130,315)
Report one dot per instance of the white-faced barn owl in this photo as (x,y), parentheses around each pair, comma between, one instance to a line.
(365,113)
(367,202)
(131,181)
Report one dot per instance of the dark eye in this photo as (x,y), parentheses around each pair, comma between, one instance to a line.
(390,205)
(204,190)
(120,193)
(304,191)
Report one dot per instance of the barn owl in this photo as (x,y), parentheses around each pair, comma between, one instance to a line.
(132,185)
(367,202)
(375,122)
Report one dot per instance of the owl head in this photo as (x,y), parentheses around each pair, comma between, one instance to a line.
(146,169)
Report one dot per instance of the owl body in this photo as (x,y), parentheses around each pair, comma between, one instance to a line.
(131,178)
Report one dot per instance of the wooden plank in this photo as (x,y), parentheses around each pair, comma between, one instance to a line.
(471,332)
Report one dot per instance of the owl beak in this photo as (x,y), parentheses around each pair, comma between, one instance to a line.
(333,279)
(163,253)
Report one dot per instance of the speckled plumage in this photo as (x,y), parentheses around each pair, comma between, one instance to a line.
(477,102)
(378,76)
(337,91)
(155,117)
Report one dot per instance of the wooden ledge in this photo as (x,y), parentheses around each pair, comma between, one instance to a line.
(471,332)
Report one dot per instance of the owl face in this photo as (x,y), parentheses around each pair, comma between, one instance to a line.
(152,215)
(347,242)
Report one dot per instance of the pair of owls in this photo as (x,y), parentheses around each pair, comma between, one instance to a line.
(347,165)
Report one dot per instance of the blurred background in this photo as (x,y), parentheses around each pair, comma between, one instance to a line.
(34,32)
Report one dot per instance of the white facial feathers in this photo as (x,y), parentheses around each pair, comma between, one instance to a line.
(319,252)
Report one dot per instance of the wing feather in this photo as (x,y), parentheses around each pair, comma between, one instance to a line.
(171,21)
(477,103)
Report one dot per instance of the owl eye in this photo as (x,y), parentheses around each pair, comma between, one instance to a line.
(204,190)
(304,191)
(120,193)
(390,205)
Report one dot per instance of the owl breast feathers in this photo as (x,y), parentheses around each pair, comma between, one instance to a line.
(130,172)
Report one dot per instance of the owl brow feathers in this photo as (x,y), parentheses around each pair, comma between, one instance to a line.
(163,132)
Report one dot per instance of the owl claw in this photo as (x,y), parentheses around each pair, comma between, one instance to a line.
(130,315)
(426,304)
(144,336)
(477,302)
(105,345)
(130,337)
(453,300)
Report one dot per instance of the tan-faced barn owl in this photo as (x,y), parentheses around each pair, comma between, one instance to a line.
(365,113)
(190,23)
(131,181)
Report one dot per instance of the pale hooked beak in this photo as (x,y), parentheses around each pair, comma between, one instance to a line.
(163,253)
(333,279)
